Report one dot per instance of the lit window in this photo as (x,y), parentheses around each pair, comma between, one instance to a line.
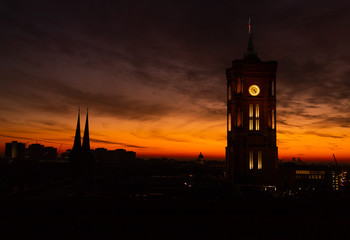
(273,118)
(251,114)
(257,125)
(251,160)
(229,122)
(251,125)
(251,110)
(260,160)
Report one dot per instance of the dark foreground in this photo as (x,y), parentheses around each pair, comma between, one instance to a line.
(310,218)
(159,202)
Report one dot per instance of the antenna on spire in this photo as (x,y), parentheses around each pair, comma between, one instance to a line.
(250,54)
(250,25)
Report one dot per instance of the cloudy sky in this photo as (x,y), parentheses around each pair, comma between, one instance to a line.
(152,73)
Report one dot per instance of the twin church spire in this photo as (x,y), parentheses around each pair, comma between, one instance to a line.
(81,157)
(77,139)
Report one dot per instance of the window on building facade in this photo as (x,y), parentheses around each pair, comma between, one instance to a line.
(260,160)
(257,123)
(251,117)
(229,122)
(251,160)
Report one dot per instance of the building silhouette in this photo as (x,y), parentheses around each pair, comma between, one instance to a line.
(15,150)
(251,152)
(36,151)
(200,158)
(81,158)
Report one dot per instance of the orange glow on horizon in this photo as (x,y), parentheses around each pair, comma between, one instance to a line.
(179,138)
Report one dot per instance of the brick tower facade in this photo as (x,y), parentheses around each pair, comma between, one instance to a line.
(251,152)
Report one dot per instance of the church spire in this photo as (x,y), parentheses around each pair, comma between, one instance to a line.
(86,139)
(77,138)
(250,54)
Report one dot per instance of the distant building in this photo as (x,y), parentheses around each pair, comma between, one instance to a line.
(8,150)
(15,150)
(312,178)
(65,156)
(50,153)
(36,152)
(200,159)
(103,155)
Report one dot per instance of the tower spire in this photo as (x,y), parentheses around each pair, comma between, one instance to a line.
(86,139)
(250,54)
(77,138)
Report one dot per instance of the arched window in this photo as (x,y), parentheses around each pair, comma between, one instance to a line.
(229,122)
(251,117)
(251,160)
(260,160)
(272,88)
(257,123)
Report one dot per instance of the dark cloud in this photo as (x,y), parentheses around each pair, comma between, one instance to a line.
(35,140)
(323,134)
(147,60)
(52,96)
(116,143)
(343,122)
(156,134)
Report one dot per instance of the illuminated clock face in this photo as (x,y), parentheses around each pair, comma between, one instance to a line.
(254,90)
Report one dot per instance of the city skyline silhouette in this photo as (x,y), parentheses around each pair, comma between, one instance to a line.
(163,94)
(191,131)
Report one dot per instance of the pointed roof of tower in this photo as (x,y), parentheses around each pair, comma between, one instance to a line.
(77,138)
(86,139)
(250,54)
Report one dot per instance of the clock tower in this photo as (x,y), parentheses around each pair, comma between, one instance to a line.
(251,152)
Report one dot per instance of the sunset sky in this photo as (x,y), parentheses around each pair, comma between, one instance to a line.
(152,73)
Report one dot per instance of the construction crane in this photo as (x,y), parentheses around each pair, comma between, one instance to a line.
(62,143)
(336,163)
